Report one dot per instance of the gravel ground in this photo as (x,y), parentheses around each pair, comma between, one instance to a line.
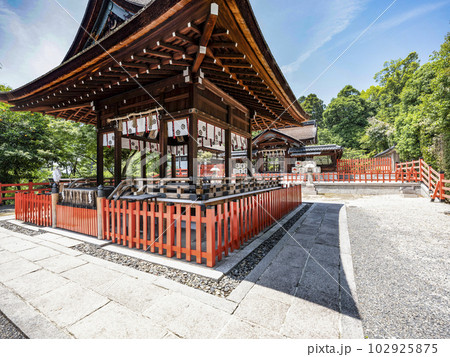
(20,229)
(400,250)
(8,330)
(222,288)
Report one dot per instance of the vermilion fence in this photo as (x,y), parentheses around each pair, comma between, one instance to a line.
(34,208)
(187,230)
(75,219)
(8,190)
(412,171)
(364,165)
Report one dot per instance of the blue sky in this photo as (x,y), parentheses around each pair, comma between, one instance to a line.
(305,37)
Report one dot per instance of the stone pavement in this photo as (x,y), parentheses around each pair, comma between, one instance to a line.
(304,288)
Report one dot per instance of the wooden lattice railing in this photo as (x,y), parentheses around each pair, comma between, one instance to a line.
(188,231)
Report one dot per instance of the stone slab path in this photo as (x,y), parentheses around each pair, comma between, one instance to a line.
(304,288)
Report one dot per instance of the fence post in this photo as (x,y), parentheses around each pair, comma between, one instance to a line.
(420,169)
(441,186)
(429,178)
(100,196)
(1,194)
(55,196)
(210,237)
(30,186)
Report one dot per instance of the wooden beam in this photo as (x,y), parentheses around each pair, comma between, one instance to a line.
(206,36)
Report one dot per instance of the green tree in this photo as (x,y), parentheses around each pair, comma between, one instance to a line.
(377,137)
(314,106)
(346,117)
(386,98)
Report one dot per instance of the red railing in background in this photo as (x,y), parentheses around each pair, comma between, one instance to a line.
(187,231)
(10,189)
(420,171)
(364,165)
(34,208)
(75,219)
(412,171)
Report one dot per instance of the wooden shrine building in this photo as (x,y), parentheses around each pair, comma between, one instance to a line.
(178,63)
(171,77)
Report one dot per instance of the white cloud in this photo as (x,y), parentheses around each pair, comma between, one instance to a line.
(337,16)
(414,13)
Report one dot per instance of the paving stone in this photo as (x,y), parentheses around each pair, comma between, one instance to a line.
(168,308)
(328,238)
(16,268)
(136,294)
(92,276)
(237,328)
(68,304)
(320,285)
(13,244)
(58,239)
(118,322)
(6,256)
(292,255)
(199,320)
(281,277)
(38,253)
(260,310)
(276,295)
(30,321)
(326,255)
(309,320)
(36,284)
(60,263)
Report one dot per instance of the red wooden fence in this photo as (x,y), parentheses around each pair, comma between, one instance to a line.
(34,208)
(80,220)
(187,230)
(10,189)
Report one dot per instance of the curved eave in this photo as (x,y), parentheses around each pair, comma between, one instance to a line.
(124,35)
(251,27)
(245,29)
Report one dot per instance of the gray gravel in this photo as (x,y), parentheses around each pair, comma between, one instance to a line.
(8,330)
(221,288)
(20,229)
(400,250)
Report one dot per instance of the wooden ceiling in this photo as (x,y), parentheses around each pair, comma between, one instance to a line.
(183,36)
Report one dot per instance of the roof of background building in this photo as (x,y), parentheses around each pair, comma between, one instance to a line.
(385,151)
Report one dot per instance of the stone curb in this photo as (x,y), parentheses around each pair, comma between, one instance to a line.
(350,327)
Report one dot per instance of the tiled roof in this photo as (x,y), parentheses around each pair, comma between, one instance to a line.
(314,148)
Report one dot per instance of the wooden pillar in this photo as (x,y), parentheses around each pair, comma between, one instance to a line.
(163,148)
(249,146)
(173,165)
(228,143)
(193,133)
(100,163)
(117,157)
(144,160)
(193,147)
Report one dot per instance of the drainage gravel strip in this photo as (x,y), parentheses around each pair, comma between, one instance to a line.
(8,330)
(20,229)
(221,288)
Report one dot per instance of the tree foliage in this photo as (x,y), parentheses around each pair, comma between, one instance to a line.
(346,117)
(314,106)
